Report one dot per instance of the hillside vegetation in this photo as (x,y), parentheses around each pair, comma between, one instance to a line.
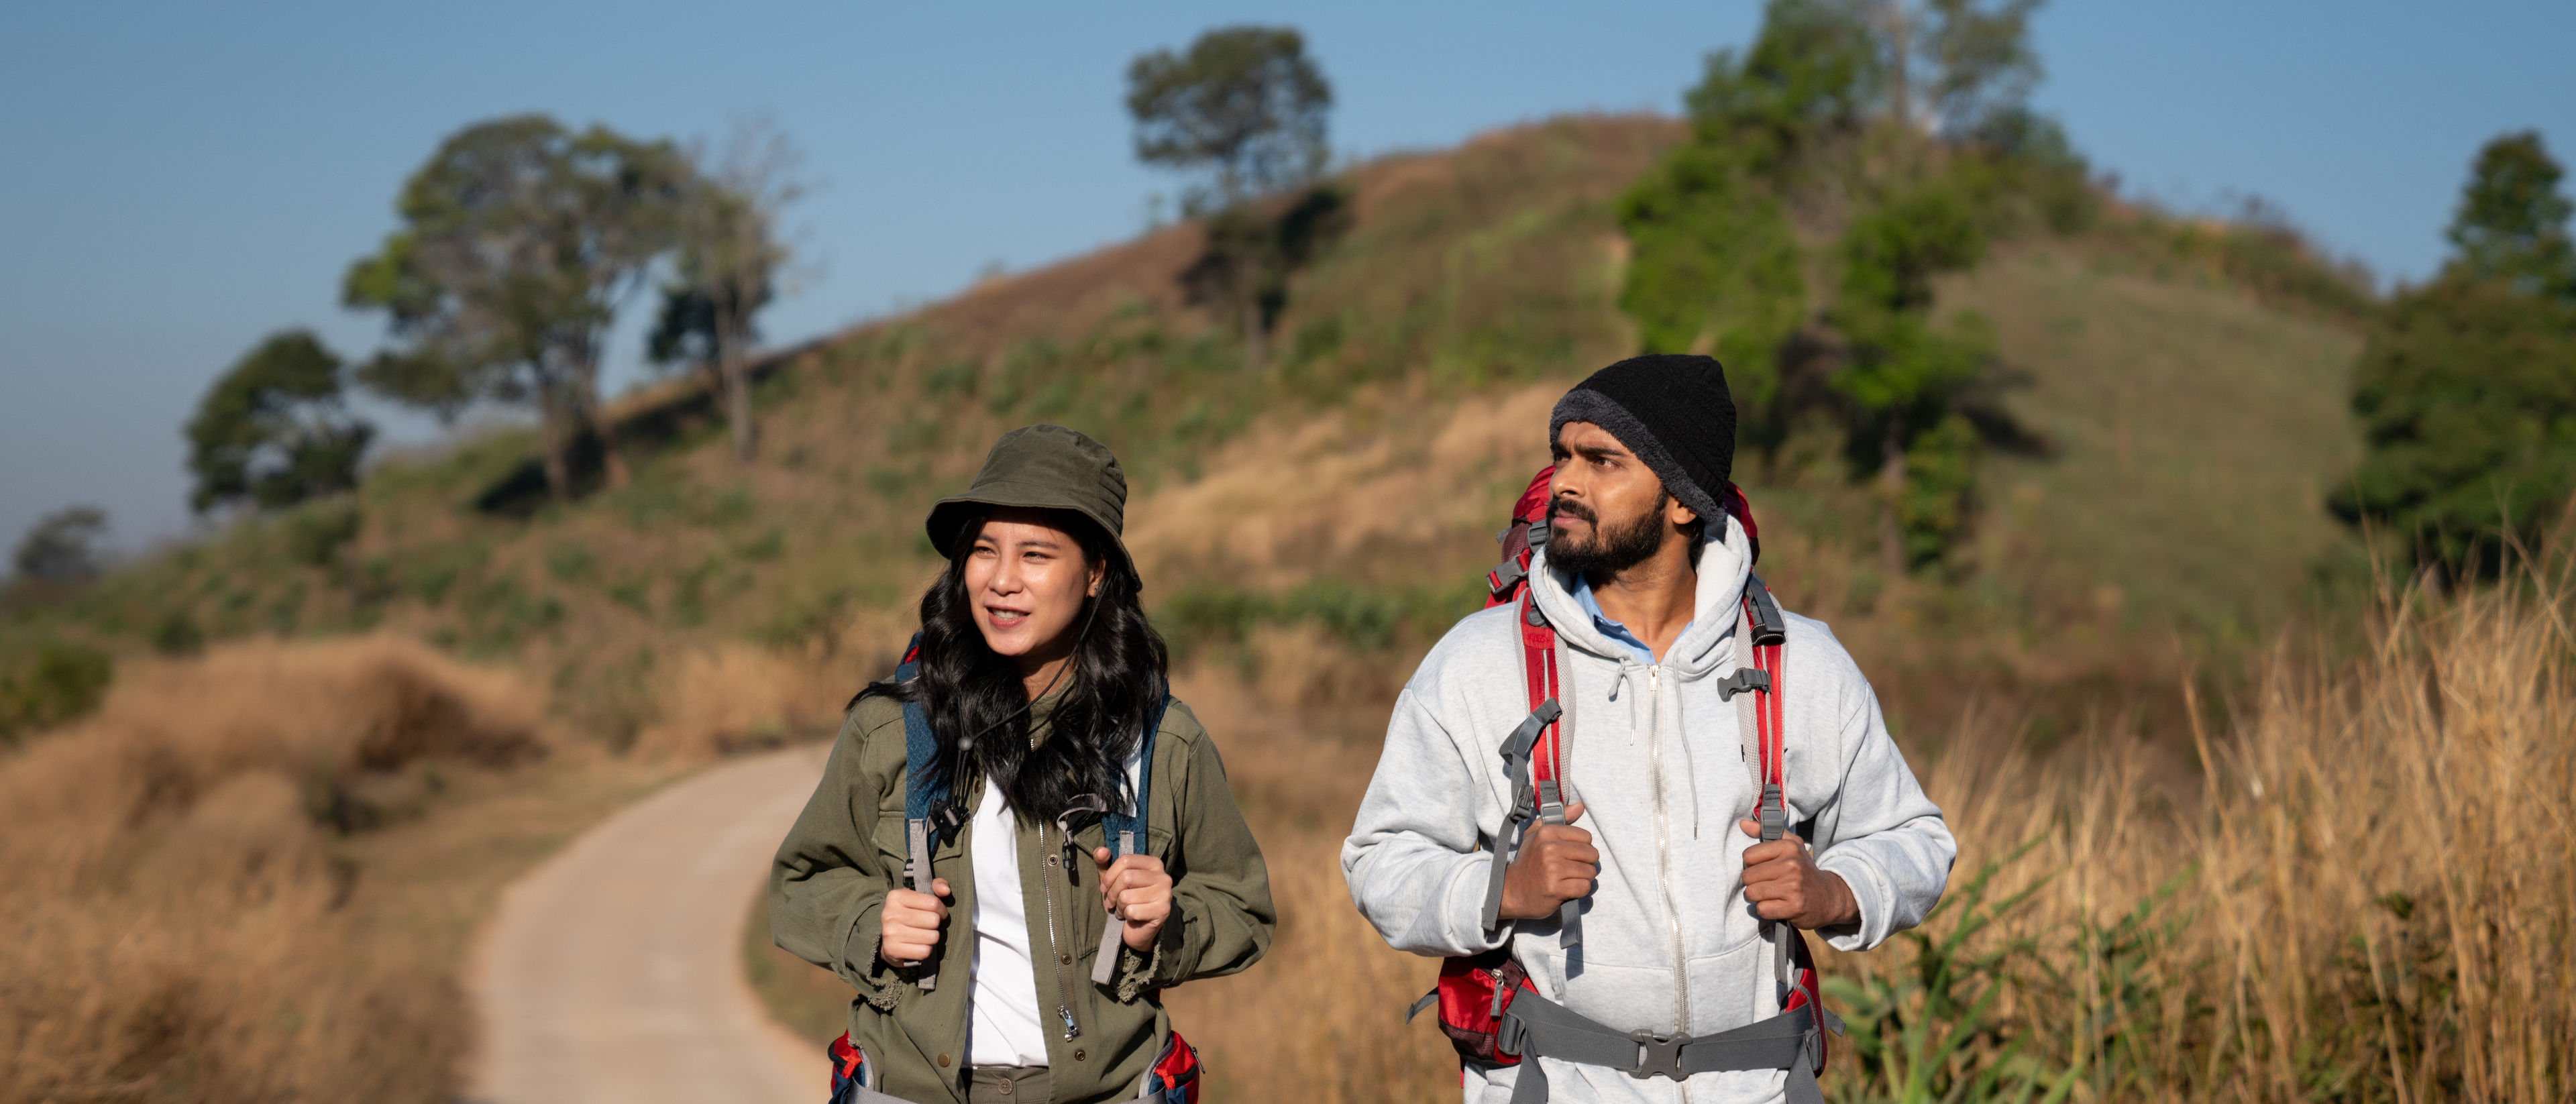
(2189,430)
(1305,532)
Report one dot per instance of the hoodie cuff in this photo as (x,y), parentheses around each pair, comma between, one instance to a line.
(1462,907)
(1870,895)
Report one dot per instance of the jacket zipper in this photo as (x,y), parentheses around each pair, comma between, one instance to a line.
(1055,947)
(1663,846)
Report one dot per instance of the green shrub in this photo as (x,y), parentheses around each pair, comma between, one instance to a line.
(315,534)
(571,563)
(61,682)
(177,634)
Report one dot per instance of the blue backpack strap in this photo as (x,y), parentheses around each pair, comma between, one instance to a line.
(922,799)
(1123,832)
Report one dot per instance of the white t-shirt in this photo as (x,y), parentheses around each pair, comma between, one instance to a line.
(1004,1026)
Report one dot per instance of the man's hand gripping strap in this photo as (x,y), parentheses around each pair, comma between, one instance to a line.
(1516,763)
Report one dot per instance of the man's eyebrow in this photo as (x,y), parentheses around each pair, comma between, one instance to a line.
(1597,452)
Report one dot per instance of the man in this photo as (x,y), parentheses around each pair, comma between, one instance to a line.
(1642,578)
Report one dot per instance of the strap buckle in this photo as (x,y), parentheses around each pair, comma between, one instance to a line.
(1744,678)
(1658,1056)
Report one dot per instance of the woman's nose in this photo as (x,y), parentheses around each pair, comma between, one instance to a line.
(1006,578)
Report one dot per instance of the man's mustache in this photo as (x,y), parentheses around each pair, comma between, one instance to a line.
(1566,507)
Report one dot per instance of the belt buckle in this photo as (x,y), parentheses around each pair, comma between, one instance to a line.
(1658,1055)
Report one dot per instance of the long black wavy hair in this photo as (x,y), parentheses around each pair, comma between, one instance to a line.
(978,706)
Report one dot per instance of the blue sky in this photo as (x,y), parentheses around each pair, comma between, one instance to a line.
(177,180)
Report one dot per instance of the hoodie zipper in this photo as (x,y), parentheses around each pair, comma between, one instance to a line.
(1663,844)
(1055,946)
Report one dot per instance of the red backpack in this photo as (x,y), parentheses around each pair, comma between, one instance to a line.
(1474,990)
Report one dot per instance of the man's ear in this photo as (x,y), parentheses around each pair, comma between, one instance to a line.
(1678,514)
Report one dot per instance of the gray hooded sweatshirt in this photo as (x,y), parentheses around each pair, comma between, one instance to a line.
(1669,945)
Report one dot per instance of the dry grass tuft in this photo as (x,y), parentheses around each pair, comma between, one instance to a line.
(2369,898)
(175,903)
(735,697)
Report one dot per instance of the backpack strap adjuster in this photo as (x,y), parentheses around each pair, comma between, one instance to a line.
(1745,678)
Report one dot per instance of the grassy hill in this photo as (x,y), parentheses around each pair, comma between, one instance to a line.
(1306,531)
(2193,428)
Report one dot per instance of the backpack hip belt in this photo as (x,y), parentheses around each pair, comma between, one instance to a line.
(1535,1027)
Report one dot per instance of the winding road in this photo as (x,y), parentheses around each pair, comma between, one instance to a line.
(613,973)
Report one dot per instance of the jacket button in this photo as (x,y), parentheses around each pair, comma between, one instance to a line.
(1077,1056)
(1004,1088)
(1065,959)
(943,1061)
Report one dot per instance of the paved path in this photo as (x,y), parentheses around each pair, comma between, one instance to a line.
(613,973)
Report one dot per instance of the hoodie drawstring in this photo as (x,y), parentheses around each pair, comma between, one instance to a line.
(1620,685)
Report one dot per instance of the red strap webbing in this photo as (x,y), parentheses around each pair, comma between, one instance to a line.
(1538,674)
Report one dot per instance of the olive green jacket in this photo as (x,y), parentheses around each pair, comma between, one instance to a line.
(829,882)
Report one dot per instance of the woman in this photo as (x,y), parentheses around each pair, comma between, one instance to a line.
(1036,677)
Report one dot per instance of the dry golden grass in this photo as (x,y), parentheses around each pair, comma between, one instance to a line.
(2369,898)
(176,908)
(735,697)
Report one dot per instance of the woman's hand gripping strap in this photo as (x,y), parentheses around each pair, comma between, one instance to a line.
(1124,834)
(929,815)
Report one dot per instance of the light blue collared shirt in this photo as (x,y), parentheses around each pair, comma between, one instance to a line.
(1617,632)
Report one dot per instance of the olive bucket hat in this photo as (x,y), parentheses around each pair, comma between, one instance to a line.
(1046,467)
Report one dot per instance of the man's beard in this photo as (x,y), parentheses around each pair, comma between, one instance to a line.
(1611,549)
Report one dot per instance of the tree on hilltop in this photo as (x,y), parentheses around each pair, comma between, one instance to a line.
(2512,222)
(730,259)
(519,242)
(1247,106)
(1244,103)
(2466,388)
(274,429)
(62,546)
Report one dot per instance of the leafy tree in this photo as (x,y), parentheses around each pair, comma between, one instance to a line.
(1905,374)
(1970,61)
(273,430)
(1245,103)
(1715,266)
(62,546)
(728,268)
(2512,222)
(2466,388)
(1813,74)
(519,242)
(1899,132)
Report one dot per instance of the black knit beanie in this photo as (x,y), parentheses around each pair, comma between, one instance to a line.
(1673,411)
